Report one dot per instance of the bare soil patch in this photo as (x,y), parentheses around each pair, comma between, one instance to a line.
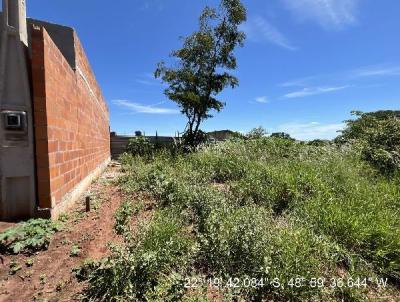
(47,275)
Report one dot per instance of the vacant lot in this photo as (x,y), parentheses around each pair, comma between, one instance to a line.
(265,219)
(249,220)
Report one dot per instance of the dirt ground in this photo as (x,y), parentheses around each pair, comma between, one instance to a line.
(50,277)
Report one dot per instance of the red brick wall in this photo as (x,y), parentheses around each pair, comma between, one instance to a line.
(71,119)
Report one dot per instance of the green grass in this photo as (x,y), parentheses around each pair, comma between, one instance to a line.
(262,209)
(161,248)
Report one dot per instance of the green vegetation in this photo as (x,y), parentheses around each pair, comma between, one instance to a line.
(75,251)
(122,216)
(255,211)
(378,136)
(200,69)
(29,262)
(43,279)
(135,269)
(282,135)
(256,133)
(14,267)
(140,145)
(28,237)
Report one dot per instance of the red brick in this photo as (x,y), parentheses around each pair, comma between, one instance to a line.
(71,128)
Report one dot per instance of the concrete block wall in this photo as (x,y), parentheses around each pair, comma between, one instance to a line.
(71,122)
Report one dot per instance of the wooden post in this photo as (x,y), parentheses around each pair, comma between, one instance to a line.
(87,203)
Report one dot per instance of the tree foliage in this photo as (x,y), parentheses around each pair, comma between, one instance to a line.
(201,72)
(378,134)
(256,133)
(282,135)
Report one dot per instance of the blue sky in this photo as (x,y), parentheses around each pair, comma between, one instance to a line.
(305,64)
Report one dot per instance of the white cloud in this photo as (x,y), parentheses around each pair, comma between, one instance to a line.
(139,108)
(328,13)
(148,79)
(261,99)
(259,30)
(309,91)
(310,131)
(148,83)
(377,70)
(316,80)
(296,82)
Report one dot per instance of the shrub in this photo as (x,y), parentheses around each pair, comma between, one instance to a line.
(234,241)
(83,271)
(218,166)
(122,216)
(378,135)
(201,203)
(133,270)
(75,251)
(386,161)
(141,146)
(28,237)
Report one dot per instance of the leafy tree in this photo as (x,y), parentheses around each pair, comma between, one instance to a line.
(237,135)
(378,135)
(202,65)
(365,123)
(282,135)
(256,133)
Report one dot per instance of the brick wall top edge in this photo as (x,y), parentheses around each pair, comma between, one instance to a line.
(41,30)
(61,35)
(31,20)
(83,62)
